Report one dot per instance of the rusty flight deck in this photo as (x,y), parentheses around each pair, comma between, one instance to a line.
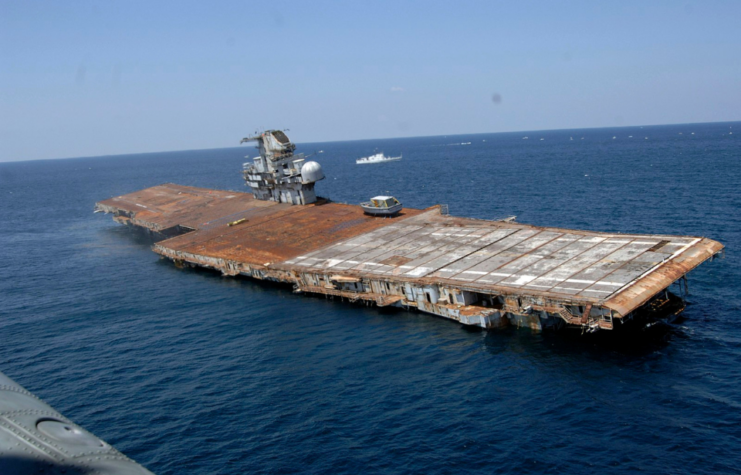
(484,273)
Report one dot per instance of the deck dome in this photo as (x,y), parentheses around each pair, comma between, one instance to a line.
(311,172)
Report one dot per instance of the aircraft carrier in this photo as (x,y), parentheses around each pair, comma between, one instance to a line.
(484,273)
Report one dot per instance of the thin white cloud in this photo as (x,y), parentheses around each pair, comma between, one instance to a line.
(397,89)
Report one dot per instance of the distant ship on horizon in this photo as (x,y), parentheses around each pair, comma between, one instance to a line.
(377,158)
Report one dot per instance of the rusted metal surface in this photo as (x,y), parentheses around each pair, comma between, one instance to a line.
(484,273)
(167,206)
(380,300)
(578,267)
(665,273)
(274,234)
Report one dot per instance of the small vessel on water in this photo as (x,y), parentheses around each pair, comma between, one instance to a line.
(381,206)
(377,158)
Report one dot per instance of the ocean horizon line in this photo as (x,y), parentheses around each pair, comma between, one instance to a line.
(112,155)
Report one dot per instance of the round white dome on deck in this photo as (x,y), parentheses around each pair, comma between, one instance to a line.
(311,172)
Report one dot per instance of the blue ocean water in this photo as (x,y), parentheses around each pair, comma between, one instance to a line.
(186,371)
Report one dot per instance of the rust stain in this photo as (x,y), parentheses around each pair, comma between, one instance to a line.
(234,233)
(271,232)
(166,206)
(396,260)
(641,291)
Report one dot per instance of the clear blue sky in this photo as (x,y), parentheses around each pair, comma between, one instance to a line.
(84,78)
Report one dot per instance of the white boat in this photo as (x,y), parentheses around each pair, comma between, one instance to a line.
(377,158)
(381,206)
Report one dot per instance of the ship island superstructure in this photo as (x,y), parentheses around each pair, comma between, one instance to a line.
(279,175)
(483,273)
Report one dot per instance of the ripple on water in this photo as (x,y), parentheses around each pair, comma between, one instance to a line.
(187,371)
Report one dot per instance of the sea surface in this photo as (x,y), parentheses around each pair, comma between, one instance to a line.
(186,371)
